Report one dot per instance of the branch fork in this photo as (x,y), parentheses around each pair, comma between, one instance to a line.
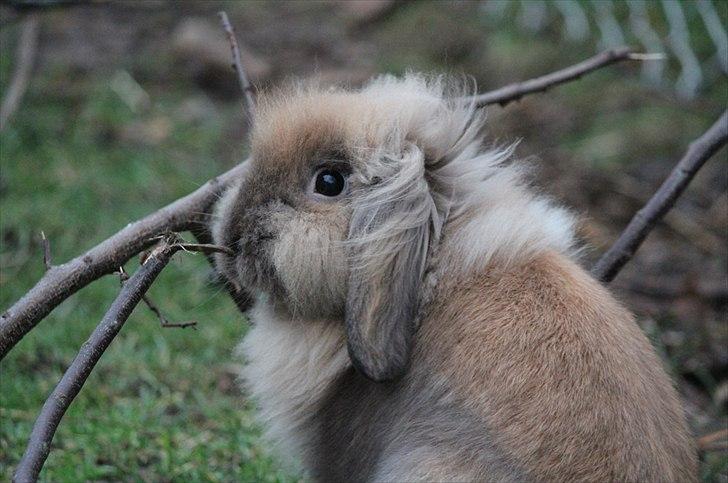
(133,290)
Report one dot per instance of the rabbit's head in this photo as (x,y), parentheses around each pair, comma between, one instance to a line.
(345,198)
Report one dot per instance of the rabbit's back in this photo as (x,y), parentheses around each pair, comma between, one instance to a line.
(567,385)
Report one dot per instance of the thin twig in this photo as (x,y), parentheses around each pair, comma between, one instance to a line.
(64,280)
(46,251)
(513,92)
(245,86)
(163,322)
(55,407)
(712,441)
(645,219)
(200,232)
(206,248)
(25,57)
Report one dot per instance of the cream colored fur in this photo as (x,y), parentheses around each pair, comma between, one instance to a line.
(289,365)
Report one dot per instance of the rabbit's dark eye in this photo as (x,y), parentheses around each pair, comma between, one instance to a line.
(329,182)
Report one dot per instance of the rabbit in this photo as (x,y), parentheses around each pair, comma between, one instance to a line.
(420,312)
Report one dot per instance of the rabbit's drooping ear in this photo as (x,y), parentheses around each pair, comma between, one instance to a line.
(393,221)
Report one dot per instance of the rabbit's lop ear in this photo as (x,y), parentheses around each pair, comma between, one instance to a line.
(389,236)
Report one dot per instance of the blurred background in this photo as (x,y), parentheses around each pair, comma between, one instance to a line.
(130,105)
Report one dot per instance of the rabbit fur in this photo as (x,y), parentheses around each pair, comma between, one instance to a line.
(431,322)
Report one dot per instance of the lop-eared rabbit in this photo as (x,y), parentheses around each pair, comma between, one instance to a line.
(419,313)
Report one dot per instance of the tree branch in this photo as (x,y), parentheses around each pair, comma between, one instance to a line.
(25,57)
(513,92)
(91,351)
(247,89)
(163,322)
(62,281)
(717,440)
(645,219)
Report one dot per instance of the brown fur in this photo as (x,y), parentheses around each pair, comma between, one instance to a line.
(566,381)
(544,377)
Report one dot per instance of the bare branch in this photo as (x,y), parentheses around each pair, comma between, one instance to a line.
(645,219)
(163,322)
(513,92)
(714,441)
(248,102)
(91,351)
(206,248)
(46,251)
(62,281)
(25,57)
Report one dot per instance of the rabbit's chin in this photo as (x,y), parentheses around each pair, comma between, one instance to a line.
(298,308)
(315,302)
(258,276)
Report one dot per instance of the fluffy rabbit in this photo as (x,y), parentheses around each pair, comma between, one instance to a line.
(419,313)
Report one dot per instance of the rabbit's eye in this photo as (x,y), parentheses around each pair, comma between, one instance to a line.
(329,182)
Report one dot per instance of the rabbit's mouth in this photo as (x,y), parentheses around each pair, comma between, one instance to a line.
(253,263)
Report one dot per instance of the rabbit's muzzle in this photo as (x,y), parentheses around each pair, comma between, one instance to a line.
(259,229)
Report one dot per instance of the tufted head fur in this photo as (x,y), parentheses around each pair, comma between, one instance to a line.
(416,172)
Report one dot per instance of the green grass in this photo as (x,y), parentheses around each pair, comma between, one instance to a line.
(162,404)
